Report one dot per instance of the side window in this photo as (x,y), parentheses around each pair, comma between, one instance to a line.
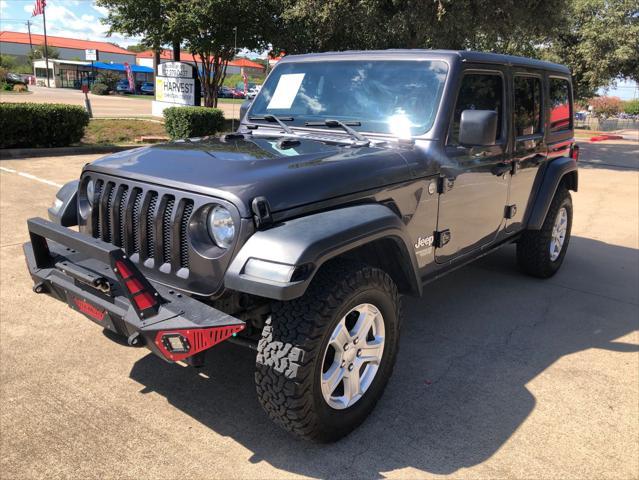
(560,107)
(527,106)
(483,91)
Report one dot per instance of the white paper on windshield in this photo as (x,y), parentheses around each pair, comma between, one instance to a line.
(286,90)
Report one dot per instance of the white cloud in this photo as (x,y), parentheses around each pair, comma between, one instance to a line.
(101,10)
(3,7)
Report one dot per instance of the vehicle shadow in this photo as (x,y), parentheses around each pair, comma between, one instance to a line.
(459,391)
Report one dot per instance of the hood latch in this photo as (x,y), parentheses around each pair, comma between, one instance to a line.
(261,212)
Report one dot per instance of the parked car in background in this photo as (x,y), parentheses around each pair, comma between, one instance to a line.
(238,93)
(15,79)
(122,87)
(225,92)
(147,88)
(253,91)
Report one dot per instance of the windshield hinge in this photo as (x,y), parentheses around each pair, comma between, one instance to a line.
(261,212)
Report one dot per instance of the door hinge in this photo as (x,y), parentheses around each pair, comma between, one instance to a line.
(442,238)
(510,211)
(444,184)
(261,212)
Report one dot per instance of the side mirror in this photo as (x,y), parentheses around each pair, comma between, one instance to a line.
(478,127)
(244,107)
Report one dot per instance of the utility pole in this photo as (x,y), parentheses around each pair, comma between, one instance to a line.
(46,44)
(28,24)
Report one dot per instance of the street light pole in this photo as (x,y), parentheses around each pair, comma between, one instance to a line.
(234,53)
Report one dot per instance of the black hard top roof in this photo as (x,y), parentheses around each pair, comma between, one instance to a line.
(418,54)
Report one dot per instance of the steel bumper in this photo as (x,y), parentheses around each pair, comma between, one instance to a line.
(98,280)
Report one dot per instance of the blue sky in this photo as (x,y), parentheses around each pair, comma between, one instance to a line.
(78,19)
(81,19)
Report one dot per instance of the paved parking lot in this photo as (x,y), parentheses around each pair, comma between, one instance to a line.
(103,106)
(499,375)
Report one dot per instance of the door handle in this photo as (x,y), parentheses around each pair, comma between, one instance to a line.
(501,169)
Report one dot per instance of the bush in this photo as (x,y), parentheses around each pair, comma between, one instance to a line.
(604,107)
(41,124)
(6,87)
(631,107)
(100,89)
(109,78)
(186,122)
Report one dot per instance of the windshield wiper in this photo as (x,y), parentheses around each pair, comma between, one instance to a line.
(361,140)
(278,120)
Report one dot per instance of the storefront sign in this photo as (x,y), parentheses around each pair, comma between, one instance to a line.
(177,83)
(91,55)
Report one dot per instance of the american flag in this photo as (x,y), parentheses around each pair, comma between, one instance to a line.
(38,8)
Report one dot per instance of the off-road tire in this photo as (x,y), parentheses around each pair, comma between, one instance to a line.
(533,248)
(290,352)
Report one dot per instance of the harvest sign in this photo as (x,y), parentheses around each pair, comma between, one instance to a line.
(175,84)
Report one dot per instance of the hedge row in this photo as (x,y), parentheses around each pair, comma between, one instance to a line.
(188,122)
(41,124)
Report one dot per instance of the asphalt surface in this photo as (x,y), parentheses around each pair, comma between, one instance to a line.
(102,106)
(499,375)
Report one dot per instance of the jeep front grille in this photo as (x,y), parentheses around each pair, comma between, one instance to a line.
(145,224)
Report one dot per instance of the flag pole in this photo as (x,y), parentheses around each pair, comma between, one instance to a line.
(46,45)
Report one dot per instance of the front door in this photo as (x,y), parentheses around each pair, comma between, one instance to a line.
(475,190)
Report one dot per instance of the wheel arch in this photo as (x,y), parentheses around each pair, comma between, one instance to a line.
(372,233)
(561,171)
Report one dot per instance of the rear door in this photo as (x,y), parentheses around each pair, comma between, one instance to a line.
(472,202)
(529,147)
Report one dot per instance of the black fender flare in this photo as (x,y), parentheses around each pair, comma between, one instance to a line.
(306,243)
(65,210)
(552,177)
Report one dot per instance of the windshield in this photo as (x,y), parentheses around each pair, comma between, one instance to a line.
(392,97)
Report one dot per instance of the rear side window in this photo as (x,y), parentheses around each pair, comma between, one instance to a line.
(560,107)
(527,106)
(483,91)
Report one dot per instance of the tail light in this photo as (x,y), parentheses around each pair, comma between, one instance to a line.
(179,344)
(574,152)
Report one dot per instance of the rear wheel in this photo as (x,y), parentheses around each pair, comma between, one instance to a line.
(540,253)
(325,358)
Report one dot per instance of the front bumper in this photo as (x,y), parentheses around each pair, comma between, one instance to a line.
(98,280)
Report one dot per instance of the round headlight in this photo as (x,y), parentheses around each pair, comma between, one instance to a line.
(221,226)
(91,192)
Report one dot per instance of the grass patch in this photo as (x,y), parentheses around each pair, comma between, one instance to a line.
(129,95)
(231,100)
(115,132)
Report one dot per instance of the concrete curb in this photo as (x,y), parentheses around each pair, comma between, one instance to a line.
(17,153)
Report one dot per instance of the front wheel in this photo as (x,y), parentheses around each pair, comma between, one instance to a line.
(540,253)
(324,359)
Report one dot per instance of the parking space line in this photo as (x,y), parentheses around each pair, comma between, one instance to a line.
(31,177)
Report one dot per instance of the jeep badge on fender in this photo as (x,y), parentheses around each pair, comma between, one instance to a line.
(298,234)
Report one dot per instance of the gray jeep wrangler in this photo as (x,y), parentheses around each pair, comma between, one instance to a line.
(353,179)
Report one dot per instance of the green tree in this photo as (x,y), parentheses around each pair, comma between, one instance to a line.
(147,19)
(38,53)
(208,29)
(599,42)
(8,62)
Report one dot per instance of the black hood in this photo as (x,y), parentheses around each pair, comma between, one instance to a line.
(242,169)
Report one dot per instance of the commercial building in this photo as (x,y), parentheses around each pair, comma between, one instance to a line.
(73,73)
(18,45)
(235,66)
